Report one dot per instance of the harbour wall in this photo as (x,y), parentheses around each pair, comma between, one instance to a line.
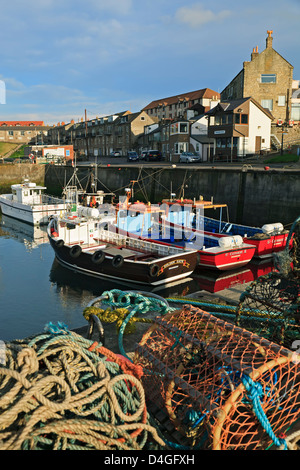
(254,196)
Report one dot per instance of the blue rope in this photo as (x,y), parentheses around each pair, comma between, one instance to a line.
(56,329)
(255,391)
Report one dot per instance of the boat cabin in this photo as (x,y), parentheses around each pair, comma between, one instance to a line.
(27,193)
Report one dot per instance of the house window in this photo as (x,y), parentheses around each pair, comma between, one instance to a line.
(10,132)
(295,111)
(180,147)
(221,143)
(268,78)
(183,128)
(281,100)
(179,128)
(244,119)
(267,104)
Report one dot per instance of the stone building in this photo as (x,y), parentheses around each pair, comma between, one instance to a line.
(23,132)
(104,135)
(184,105)
(268,78)
(239,128)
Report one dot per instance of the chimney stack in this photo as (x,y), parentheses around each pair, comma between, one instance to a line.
(254,52)
(269,40)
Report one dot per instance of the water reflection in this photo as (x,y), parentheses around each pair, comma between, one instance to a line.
(31,236)
(214,281)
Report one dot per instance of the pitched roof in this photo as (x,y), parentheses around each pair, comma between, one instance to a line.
(193,95)
(230,105)
(21,123)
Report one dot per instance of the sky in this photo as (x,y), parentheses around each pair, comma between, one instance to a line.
(62,57)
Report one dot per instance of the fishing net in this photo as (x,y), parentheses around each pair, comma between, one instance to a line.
(221,386)
(270,306)
(59,391)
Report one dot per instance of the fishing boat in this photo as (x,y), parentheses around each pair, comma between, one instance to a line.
(28,202)
(268,239)
(150,222)
(82,244)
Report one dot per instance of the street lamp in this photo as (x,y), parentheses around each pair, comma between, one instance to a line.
(284,125)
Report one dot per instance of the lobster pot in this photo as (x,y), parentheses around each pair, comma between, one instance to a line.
(222,387)
(270,308)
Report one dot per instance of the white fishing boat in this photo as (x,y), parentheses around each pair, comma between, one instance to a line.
(28,202)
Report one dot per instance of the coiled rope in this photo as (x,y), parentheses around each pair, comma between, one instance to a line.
(125,305)
(59,391)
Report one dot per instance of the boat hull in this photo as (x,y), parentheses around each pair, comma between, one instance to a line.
(154,272)
(265,244)
(226,260)
(34,215)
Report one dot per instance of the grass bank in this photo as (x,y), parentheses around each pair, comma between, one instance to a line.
(6,147)
(285,158)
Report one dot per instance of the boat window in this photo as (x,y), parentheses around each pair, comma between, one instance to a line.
(70,226)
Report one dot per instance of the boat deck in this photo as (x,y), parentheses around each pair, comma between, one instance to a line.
(112,250)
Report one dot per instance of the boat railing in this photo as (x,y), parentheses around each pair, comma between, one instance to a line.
(47,199)
(163,250)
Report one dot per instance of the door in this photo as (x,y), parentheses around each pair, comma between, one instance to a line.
(257,144)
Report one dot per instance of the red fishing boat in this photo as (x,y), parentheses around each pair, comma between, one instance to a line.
(150,223)
(268,239)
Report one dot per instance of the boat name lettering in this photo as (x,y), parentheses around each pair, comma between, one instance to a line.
(172,263)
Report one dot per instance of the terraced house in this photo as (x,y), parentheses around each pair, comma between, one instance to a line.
(183,105)
(22,132)
(103,135)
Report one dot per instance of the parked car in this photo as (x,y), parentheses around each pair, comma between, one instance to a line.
(143,155)
(189,157)
(153,155)
(132,156)
(115,154)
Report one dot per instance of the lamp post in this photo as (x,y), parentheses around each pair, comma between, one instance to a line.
(284,125)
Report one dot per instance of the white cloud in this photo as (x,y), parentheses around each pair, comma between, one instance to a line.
(196,15)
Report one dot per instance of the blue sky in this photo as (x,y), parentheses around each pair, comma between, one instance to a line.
(59,58)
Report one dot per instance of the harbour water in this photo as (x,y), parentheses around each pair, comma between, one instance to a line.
(36,290)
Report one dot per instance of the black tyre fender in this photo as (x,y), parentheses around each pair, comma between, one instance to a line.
(153,270)
(117,261)
(60,243)
(98,257)
(75,251)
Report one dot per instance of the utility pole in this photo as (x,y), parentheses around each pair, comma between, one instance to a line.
(86,135)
